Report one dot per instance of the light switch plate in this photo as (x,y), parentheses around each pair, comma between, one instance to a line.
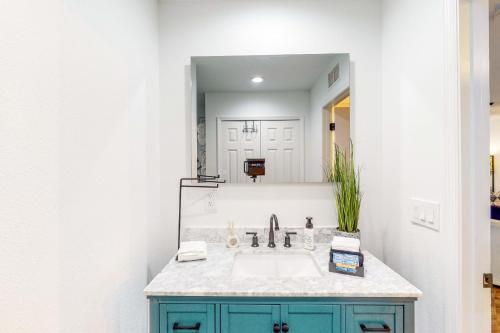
(425,213)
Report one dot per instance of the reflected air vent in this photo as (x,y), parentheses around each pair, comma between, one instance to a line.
(333,75)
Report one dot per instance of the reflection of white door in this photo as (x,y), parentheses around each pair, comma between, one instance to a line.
(234,147)
(280,146)
(278,141)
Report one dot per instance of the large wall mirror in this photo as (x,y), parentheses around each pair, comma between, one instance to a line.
(269,119)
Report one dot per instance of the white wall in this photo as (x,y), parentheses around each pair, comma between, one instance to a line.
(495,131)
(321,95)
(246,104)
(109,163)
(413,141)
(474,248)
(289,27)
(495,60)
(495,94)
(78,164)
(251,206)
(29,190)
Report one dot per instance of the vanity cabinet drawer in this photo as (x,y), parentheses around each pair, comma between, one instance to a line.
(187,318)
(374,318)
(239,318)
(311,318)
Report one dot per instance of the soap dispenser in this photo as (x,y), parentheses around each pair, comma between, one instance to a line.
(309,235)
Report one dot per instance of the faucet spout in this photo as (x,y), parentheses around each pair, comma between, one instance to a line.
(273,220)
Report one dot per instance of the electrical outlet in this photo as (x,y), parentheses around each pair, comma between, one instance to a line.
(425,213)
(211,202)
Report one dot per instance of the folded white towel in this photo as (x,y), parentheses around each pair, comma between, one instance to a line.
(193,250)
(345,244)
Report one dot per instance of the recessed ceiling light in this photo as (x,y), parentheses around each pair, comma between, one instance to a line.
(257,79)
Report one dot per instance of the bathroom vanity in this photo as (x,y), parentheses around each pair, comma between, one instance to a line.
(258,290)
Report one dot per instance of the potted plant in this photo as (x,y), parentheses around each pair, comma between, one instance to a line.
(345,178)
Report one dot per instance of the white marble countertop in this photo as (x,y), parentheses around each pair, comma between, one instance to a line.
(212,277)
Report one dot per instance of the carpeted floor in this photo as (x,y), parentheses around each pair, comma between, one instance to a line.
(495,310)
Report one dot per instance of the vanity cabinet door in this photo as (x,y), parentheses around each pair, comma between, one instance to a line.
(187,318)
(373,318)
(236,318)
(310,318)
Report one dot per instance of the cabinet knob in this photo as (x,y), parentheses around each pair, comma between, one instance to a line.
(284,327)
(276,328)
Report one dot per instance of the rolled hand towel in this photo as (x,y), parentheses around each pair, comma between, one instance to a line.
(193,250)
(345,244)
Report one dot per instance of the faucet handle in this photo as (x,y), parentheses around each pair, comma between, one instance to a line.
(287,238)
(255,239)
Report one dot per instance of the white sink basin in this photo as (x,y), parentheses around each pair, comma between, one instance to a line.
(281,265)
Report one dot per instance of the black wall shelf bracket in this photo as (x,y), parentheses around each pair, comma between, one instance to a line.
(209,181)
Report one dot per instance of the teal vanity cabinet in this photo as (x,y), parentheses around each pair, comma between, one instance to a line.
(279,315)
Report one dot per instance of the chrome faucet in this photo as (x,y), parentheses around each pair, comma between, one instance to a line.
(274,219)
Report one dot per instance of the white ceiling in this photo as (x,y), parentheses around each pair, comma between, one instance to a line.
(280,72)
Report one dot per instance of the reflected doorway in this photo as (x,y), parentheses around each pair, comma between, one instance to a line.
(337,124)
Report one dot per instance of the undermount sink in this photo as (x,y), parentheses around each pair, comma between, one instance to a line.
(281,265)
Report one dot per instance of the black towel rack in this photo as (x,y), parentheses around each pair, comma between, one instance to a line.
(200,179)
